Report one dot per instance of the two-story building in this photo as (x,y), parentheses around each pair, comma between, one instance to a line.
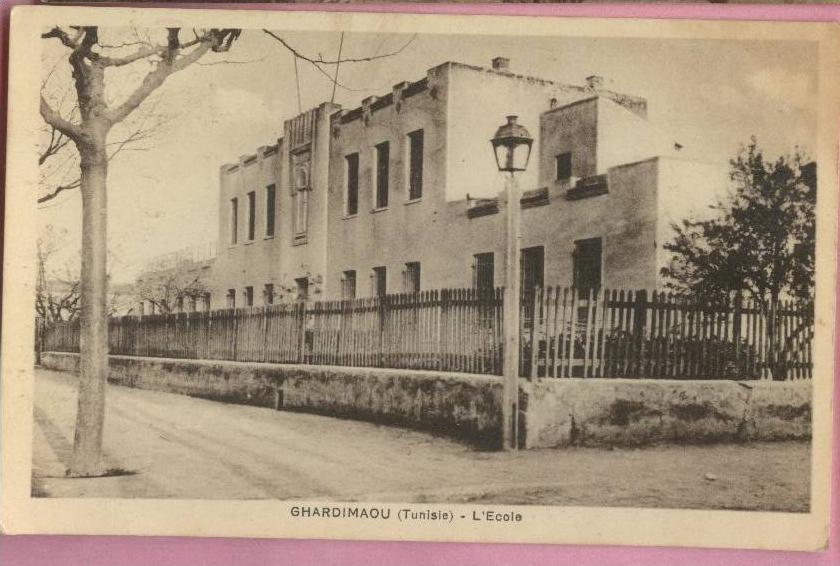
(402,193)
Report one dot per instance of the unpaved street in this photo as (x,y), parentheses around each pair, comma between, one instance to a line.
(174,446)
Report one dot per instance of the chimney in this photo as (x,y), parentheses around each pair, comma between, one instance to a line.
(595,82)
(501,64)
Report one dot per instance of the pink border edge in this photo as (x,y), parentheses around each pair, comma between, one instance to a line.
(174,551)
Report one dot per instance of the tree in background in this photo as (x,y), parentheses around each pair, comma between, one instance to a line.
(759,244)
(56,293)
(173,292)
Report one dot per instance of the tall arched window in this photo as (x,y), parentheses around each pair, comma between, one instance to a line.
(300,193)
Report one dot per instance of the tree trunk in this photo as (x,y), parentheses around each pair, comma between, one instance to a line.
(93,353)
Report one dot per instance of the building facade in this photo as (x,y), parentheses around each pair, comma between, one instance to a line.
(402,193)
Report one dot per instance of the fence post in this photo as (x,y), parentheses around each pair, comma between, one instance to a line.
(442,305)
(383,314)
(264,356)
(639,322)
(736,333)
(235,332)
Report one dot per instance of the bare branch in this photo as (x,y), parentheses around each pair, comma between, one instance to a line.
(57,142)
(64,37)
(214,40)
(321,61)
(228,62)
(58,190)
(54,119)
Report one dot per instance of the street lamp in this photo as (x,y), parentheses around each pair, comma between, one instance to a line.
(512,148)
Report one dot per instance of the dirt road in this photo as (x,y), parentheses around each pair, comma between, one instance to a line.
(180,447)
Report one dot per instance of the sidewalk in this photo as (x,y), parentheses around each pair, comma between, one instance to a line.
(172,446)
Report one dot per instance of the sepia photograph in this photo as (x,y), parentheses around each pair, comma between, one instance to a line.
(419,277)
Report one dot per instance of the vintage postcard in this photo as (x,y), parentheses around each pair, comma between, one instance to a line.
(400,277)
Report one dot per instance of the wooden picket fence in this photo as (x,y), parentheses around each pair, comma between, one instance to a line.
(449,330)
(621,333)
(564,333)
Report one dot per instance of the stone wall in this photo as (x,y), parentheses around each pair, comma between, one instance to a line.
(564,412)
(461,405)
(553,412)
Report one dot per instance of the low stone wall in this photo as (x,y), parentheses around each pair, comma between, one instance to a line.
(553,412)
(565,412)
(462,405)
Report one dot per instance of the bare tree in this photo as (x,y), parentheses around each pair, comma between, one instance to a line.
(90,59)
(58,288)
(88,123)
(173,292)
(57,297)
(59,161)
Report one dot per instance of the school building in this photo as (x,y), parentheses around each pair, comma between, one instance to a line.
(403,194)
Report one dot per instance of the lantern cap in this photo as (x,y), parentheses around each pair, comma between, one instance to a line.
(512,130)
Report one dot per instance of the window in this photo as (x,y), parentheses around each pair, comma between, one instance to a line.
(532,263)
(415,165)
(483,268)
(587,264)
(301,213)
(302,289)
(231,298)
(234,220)
(191,302)
(301,198)
(270,209)
(179,304)
(348,285)
(563,166)
(206,298)
(268,294)
(351,205)
(382,166)
(248,295)
(411,277)
(379,283)
(252,213)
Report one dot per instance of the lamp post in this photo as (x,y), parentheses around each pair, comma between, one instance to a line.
(512,148)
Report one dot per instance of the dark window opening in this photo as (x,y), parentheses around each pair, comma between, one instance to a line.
(411,277)
(270,212)
(268,294)
(483,268)
(348,285)
(379,281)
(382,171)
(252,214)
(563,166)
(587,264)
(352,205)
(248,295)
(415,165)
(231,298)
(302,289)
(532,263)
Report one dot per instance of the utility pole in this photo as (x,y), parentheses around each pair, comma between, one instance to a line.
(512,150)
(510,386)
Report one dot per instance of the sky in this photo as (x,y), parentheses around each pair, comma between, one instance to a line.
(710,95)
